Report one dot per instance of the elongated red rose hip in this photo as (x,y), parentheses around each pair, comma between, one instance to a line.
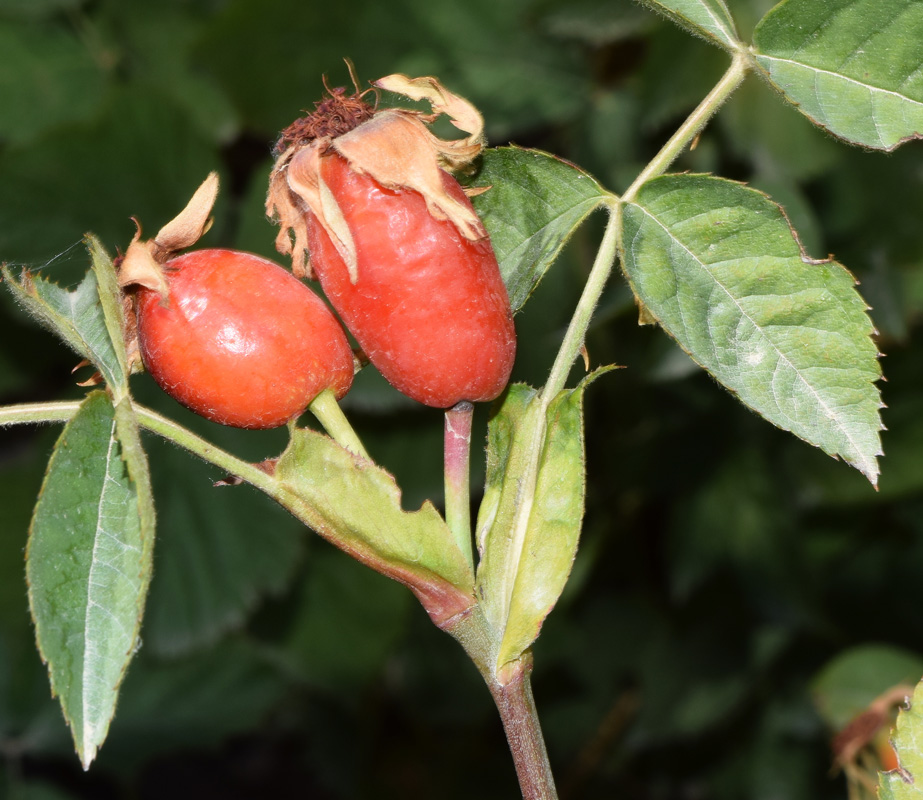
(239,340)
(429,307)
(395,242)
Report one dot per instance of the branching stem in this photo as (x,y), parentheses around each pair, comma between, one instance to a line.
(693,125)
(150,420)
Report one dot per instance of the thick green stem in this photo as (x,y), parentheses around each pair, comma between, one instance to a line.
(693,125)
(331,416)
(457,456)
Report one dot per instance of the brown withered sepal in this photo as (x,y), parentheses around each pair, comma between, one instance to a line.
(142,264)
(393,146)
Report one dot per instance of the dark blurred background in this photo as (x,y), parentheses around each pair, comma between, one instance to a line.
(737,594)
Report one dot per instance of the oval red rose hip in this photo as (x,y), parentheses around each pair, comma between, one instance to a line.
(239,340)
(428,306)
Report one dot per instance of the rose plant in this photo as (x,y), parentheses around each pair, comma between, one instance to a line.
(426,247)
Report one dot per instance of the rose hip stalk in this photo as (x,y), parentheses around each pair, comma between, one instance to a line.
(395,242)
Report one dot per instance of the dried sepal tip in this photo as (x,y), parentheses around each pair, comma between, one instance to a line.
(141,264)
(395,147)
(187,227)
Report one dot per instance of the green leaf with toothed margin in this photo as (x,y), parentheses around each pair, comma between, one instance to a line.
(529,521)
(78,316)
(534,203)
(853,67)
(707,18)
(717,265)
(356,505)
(88,564)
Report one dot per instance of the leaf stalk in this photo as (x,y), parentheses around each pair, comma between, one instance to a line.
(694,123)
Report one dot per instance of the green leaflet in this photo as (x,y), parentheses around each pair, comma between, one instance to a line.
(77,316)
(357,506)
(905,783)
(854,67)
(534,204)
(708,18)
(718,266)
(88,564)
(529,521)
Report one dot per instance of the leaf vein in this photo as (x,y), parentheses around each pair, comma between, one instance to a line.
(846,78)
(827,411)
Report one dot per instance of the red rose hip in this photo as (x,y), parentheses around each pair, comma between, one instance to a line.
(428,307)
(239,340)
(395,241)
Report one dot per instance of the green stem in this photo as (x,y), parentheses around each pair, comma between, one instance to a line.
(25,413)
(63,411)
(576,331)
(331,416)
(693,125)
(608,248)
(457,457)
(183,437)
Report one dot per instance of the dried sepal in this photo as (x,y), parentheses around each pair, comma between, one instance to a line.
(187,227)
(141,264)
(96,379)
(132,345)
(393,146)
(463,114)
(397,150)
(305,181)
(139,267)
(292,239)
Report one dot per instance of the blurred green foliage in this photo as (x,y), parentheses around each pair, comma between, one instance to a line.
(724,564)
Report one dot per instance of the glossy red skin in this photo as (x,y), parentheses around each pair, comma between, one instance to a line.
(429,308)
(240,340)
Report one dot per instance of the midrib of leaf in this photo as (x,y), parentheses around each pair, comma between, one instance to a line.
(846,78)
(523,513)
(89,734)
(719,23)
(868,468)
(592,203)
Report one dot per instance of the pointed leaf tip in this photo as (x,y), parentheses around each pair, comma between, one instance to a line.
(88,563)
